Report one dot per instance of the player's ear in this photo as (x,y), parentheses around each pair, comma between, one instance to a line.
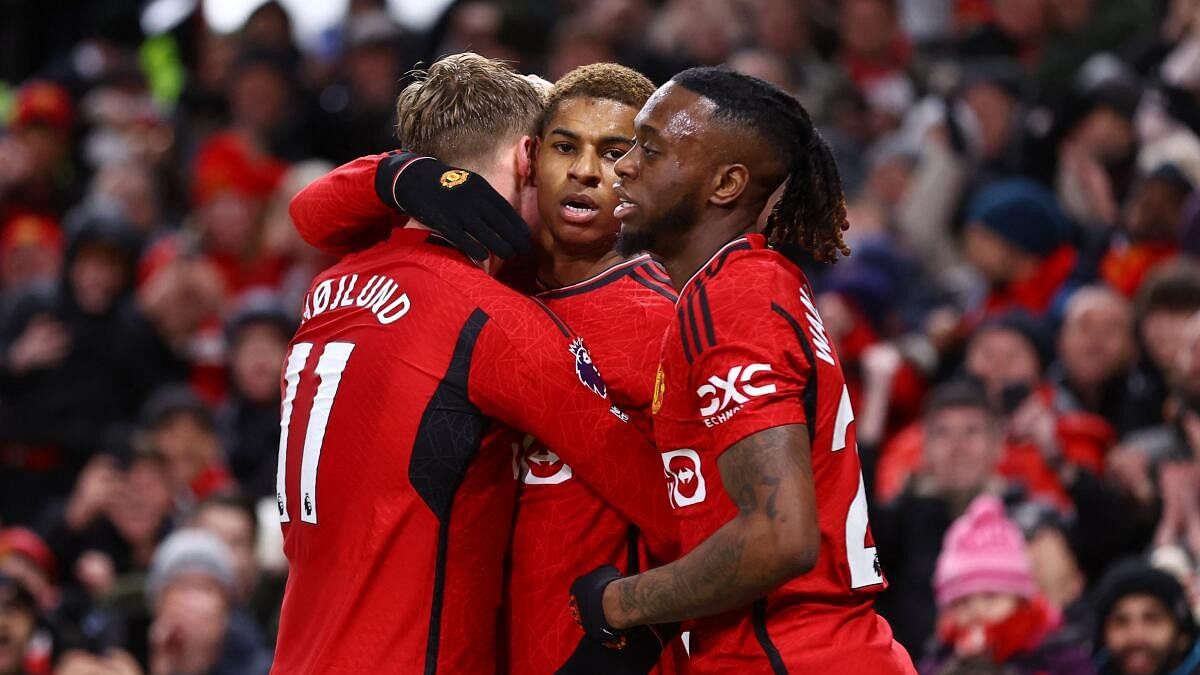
(525,149)
(729,183)
(533,154)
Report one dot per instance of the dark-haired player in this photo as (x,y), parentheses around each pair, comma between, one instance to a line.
(621,304)
(752,418)
(394,484)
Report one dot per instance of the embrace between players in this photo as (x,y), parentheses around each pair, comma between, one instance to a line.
(551,474)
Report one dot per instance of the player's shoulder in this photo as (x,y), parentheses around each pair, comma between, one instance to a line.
(743,279)
(749,261)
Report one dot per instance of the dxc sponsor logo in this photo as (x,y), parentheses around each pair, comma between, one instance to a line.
(734,389)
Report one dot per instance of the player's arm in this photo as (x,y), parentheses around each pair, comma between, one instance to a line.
(357,204)
(531,384)
(773,538)
(765,463)
(339,212)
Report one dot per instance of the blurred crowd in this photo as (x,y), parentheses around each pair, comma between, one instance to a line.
(1019,320)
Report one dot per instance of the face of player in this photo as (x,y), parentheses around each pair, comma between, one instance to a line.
(1141,635)
(575,173)
(661,180)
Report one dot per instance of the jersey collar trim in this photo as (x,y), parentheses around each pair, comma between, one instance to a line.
(594,280)
(753,240)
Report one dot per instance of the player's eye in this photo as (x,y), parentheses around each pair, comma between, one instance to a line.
(613,154)
(564,148)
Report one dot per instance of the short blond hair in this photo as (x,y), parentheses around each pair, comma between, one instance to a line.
(464,107)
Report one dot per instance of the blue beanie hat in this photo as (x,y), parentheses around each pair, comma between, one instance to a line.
(1021,212)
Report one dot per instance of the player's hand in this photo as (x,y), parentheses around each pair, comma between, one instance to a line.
(604,649)
(643,647)
(587,606)
(458,204)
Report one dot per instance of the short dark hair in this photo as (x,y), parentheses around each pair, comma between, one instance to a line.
(608,81)
(232,499)
(1174,287)
(811,213)
(958,393)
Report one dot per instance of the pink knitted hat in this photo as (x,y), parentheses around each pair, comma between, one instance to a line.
(984,552)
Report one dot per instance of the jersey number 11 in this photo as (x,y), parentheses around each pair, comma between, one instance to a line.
(329,369)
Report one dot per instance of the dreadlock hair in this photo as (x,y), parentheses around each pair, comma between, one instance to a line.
(608,81)
(811,212)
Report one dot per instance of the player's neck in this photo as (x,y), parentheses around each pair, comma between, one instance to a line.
(700,244)
(561,268)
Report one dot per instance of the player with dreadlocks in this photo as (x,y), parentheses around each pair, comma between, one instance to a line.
(751,412)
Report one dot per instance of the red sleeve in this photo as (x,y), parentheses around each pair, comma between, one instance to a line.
(754,372)
(534,377)
(339,212)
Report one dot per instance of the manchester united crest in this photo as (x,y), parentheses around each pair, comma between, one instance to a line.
(453,178)
(660,387)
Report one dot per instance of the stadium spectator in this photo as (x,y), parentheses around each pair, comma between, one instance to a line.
(1053,560)
(232,519)
(1016,239)
(24,556)
(1165,302)
(19,655)
(988,602)
(112,522)
(1144,625)
(1150,229)
(181,429)
(37,173)
(191,588)
(257,335)
(1096,351)
(31,248)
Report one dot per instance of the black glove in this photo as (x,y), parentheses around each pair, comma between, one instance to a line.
(643,649)
(458,204)
(604,649)
(587,605)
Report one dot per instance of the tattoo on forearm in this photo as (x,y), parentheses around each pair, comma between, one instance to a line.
(772,485)
(731,567)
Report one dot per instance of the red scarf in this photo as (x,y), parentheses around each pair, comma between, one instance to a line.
(1125,267)
(1021,632)
(1036,292)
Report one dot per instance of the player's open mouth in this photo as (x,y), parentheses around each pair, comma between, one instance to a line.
(578,209)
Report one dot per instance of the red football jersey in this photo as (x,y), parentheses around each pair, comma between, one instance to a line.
(395,488)
(748,352)
(564,529)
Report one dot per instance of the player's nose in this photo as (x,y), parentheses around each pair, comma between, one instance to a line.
(585,170)
(627,166)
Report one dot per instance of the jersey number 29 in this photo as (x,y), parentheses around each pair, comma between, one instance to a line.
(862,559)
(329,370)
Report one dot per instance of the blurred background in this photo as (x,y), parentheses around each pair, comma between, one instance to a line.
(1019,321)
